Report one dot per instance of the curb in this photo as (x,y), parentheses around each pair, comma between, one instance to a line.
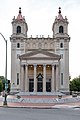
(31,107)
(42,107)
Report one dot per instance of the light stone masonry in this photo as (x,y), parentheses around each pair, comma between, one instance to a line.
(40,64)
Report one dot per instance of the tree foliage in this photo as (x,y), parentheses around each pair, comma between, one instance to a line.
(1,85)
(3,80)
(75,84)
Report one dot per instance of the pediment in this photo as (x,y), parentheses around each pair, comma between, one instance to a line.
(39,55)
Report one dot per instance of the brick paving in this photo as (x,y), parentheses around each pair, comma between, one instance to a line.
(39,105)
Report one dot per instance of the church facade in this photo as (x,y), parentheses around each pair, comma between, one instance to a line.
(40,64)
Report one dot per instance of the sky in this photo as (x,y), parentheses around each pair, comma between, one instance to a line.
(40,15)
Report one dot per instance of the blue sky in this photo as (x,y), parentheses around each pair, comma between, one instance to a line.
(40,15)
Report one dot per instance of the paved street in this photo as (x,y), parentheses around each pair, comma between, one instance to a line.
(39,114)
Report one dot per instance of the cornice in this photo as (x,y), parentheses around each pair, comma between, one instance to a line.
(30,55)
(38,58)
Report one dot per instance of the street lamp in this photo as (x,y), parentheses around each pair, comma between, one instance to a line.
(5,101)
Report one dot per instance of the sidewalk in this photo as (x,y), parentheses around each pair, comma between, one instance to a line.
(41,101)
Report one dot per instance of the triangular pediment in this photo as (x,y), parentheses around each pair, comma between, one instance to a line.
(39,54)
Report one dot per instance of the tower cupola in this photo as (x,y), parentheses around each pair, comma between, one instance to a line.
(20,17)
(19,25)
(60,25)
(60,17)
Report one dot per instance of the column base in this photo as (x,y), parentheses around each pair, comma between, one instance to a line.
(44,91)
(5,103)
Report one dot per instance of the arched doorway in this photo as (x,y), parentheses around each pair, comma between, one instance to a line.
(39,83)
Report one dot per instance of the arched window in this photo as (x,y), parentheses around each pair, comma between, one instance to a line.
(18,29)
(18,45)
(61,45)
(61,30)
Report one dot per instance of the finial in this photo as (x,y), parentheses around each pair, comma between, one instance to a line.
(14,18)
(42,36)
(59,10)
(19,10)
(31,36)
(36,36)
(48,36)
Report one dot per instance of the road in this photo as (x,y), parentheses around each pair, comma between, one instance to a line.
(38,114)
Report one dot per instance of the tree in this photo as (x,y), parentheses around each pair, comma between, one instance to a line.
(3,81)
(1,86)
(2,78)
(75,84)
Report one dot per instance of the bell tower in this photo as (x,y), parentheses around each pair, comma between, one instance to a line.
(19,26)
(18,40)
(61,43)
(60,26)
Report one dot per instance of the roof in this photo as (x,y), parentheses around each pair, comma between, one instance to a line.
(39,55)
(60,17)
(19,17)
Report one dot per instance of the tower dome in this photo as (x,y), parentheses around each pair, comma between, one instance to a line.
(20,17)
(19,25)
(60,17)
(60,25)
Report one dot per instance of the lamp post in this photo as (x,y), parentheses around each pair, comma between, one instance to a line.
(5,101)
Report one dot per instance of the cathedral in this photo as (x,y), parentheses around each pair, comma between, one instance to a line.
(40,64)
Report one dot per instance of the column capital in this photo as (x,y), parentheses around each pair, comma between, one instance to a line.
(44,65)
(35,65)
(57,65)
(22,65)
(53,65)
(26,65)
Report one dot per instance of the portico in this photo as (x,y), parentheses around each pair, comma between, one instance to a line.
(41,75)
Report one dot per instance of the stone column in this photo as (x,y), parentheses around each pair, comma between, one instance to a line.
(35,80)
(57,77)
(54,77)
(21,77)
(44,78)
(26,79)
(52,81)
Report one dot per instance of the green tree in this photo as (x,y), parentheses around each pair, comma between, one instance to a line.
(3,81)
(2,78)
(1,86)
(75,84)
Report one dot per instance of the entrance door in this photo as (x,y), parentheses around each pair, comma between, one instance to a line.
(48,85)
(31,85)
(39,83)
